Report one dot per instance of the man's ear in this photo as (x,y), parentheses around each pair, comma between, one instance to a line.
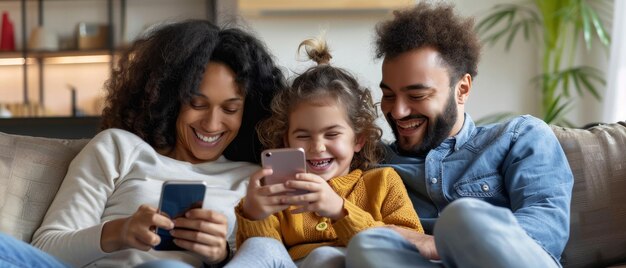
(360,142)
(463,88)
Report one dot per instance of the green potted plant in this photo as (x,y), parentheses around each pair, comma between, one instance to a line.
(558,27)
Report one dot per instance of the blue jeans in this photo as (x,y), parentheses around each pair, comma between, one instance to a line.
(469,233)
(16,253)
(326,256)
(261,252)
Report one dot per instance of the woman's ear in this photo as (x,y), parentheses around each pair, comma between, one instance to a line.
(359,143)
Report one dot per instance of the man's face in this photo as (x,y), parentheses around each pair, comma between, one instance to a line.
(418,102)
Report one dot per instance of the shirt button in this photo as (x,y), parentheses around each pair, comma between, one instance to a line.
(433,180)
(485,187)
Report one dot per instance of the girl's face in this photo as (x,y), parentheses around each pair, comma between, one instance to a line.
(207,125)
(322,129)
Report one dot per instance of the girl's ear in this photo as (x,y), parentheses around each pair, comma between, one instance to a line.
(285,142)
(360,142)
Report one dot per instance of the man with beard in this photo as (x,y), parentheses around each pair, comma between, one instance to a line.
(487,196)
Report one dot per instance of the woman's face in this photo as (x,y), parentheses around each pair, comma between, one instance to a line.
(207,125)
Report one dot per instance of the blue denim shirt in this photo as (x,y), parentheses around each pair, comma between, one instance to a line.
(518,165)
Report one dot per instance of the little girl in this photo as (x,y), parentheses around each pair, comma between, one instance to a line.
(331,117)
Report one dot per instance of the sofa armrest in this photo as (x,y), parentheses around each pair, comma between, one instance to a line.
(597,157)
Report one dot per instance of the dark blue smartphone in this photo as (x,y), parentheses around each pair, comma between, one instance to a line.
(178,197)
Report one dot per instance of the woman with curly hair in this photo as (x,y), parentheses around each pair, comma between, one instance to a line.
(182,105)
(332,118)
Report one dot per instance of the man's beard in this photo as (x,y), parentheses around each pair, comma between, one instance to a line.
(435,134)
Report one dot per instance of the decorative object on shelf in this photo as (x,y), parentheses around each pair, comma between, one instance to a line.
(26,109)
(75,110)
(7,36)
(43,39)
(67,42)
(92,35)
(4,111)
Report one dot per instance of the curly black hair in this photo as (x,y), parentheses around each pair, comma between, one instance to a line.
(161,71)
(425,25)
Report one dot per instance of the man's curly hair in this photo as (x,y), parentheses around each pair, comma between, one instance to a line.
(435,26)
(161,72)
(315,84)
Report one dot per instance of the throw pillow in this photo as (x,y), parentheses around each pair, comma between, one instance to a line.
(31,171)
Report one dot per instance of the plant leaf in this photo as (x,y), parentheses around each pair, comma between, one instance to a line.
(556,110)
(601,32)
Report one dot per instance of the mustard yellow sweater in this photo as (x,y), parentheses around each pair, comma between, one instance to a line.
(371,199)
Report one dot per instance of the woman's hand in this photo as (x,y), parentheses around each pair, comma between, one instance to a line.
(136,231)
(262,201)
(321,199)
(204,232)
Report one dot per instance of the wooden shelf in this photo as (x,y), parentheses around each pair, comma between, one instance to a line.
(48,54)
(10,54)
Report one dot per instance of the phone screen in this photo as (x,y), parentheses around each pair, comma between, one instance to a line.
(177,198)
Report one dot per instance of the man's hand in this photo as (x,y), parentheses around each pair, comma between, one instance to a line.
(424,243)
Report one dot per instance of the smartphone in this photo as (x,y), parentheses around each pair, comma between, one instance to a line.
(286,163)
(178,197)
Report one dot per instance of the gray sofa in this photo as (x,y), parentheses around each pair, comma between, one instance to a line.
(32,168)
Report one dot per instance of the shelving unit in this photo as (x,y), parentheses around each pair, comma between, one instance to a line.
(39,57)
(36,71)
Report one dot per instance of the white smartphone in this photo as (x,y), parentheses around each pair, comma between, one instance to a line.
(286,163)
(178,197)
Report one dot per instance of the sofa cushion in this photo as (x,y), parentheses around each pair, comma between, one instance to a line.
(31,171)
(597,157)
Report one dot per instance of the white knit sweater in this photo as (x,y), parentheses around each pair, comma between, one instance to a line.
(110,178)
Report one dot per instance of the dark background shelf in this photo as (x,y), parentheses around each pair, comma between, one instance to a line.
(52,127)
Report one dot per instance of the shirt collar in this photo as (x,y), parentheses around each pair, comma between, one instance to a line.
(466,132)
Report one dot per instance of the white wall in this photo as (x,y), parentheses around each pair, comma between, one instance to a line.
(502,84)
(503,81)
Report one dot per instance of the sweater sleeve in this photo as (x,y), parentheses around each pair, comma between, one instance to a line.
(356,220)
(268,227)
(395,209)
(72,227)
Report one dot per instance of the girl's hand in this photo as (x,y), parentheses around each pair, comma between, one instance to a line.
(204,232)
(321,198)
(262,201)
(136,231)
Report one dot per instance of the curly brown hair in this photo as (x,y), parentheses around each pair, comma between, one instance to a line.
(319,82)
(435,26)
(161,71)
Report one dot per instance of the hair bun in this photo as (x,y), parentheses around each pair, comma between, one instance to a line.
(317,50)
